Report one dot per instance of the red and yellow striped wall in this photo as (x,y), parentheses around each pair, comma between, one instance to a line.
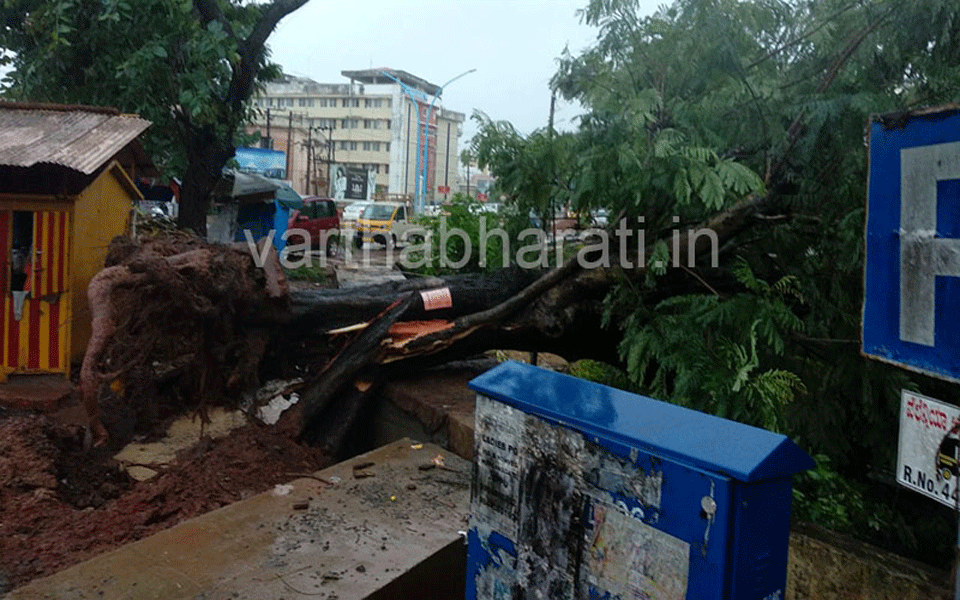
(71,234)
(39,340)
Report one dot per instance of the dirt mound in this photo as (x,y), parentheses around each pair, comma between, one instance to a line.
(60,505)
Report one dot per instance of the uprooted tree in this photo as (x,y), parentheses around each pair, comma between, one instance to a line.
(190,67)
(744,118)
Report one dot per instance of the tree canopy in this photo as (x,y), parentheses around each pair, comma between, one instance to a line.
(188,66)
(713,108)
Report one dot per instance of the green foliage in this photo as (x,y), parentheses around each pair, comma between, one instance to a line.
(717,354)
(533,172)
(601,372)
(826,497)
(187,66)
(308,272)
(442,253)
(705,103)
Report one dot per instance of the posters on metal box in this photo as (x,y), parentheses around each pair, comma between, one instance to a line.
(498,459)
(630,559)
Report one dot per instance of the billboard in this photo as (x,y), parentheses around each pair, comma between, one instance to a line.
(912,271)
(262,161)
(352,183)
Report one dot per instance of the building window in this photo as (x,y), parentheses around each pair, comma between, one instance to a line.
(354,102)
(343,145)
(367,146)
(386,169)
(370,124)
(310,102)
(301,102)
(387,146)
(389,103)
(323,102)
(388,123)
(353,145)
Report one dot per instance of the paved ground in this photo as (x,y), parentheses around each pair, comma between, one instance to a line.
(35,392)
(383,524)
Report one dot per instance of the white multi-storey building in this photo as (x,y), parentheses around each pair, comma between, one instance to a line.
(375,122)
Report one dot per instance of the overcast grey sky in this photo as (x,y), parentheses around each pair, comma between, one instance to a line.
(513,45)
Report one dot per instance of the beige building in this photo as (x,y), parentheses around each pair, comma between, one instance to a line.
(371,123)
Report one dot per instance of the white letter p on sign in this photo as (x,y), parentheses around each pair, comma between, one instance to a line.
(923,256)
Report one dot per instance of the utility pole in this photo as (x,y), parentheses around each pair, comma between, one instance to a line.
(553,212)
(289,173)
(306,182)
(446,166)
(406,149)
(331,156)
(268,143)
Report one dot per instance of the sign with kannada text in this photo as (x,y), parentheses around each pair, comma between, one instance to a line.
(927,456)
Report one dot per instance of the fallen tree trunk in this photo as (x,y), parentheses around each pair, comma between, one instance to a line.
(214,296)
(339,373)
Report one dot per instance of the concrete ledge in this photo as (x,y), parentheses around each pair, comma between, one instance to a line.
(43,392)
(380,536)
(435,405)
(824,565)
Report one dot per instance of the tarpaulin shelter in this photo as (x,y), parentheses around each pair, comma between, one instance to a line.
(248,202)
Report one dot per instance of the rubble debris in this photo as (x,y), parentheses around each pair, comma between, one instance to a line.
(270,412)
(282,489)
(140,472)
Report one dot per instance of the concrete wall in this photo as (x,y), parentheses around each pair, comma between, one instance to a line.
(827,566)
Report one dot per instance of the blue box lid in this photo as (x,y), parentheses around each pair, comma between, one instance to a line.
(700,440)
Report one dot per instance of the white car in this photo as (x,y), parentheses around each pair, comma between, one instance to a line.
(600,217)
(353,211)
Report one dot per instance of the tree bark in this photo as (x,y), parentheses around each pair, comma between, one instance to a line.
(209,146)
(206,156)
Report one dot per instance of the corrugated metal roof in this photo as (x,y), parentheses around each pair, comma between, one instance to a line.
(79,138)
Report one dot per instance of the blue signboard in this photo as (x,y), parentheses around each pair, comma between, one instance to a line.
(262,161)
(911,310)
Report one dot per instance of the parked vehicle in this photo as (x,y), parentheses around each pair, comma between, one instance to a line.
(317,215)
(600,217)
(485,208)
(352,212)
(383,223)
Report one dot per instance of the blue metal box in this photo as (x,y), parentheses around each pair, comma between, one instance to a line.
(585,491)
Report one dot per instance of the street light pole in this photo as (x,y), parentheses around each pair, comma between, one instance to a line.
(426,135)
(409,92)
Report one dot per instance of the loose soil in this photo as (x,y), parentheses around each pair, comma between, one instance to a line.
(60,504)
